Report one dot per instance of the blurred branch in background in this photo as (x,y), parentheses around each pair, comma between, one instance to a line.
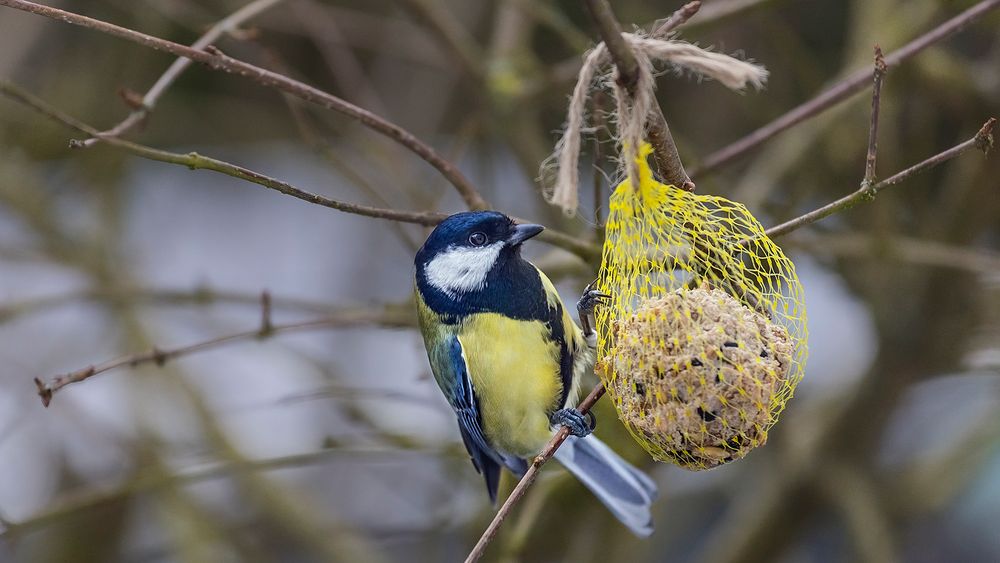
(74,505)
(200,296)
(862,506)
(390,316)
(451,34)
(900,249)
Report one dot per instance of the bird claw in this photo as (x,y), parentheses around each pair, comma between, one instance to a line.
(579,424)
(590,299)
(585,309)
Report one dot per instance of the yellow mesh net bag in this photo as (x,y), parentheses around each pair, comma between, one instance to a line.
(704,339)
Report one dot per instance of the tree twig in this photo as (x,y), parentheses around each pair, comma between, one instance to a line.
(843,90)
(721,9)
(388,316)
(600,126)
(677,19)
(450,34)
(898,249)
(569,69)
(983,141)
(665,154)
(224,26)
(73,505)
(197,296)
(861,504)
(215,59)
(529,477)
(872,155)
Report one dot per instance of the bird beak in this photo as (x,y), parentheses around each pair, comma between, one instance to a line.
(523,233)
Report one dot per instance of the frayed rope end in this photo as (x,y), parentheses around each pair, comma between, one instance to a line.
(562,166)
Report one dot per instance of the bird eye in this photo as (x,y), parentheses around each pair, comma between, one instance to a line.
(477,239)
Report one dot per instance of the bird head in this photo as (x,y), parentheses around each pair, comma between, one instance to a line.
(464,249)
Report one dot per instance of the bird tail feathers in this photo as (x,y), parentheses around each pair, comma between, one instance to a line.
(626,491)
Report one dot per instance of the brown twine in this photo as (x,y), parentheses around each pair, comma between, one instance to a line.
(631,113)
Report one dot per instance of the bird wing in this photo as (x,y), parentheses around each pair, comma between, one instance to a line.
(462,397)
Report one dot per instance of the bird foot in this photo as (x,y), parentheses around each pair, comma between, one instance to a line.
(579,424)
(585,309)
(590,299)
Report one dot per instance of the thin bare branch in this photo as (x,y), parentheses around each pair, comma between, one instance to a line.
(677,19)
(215,59)
(721,9)
(529,477)
(73,505)
(224,26)
(842,90)
(668,161)
(851,491)
(600,118)
(898,249)
(983,141)
(871,157)
(569,69)
(198,296)
(450,34)
(194,161)
(387,316)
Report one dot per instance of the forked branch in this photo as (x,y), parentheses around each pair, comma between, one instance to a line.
(842,90)
(982,141)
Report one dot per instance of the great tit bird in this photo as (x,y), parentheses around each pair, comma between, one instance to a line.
(508,357)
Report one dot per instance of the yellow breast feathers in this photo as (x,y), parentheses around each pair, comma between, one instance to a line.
(514,366)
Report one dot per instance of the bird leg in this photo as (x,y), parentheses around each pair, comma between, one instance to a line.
(585,309)
(579,424)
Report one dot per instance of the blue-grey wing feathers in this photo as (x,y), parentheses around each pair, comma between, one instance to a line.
(463,399)
(627,492)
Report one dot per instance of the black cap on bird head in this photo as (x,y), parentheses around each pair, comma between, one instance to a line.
(476,229)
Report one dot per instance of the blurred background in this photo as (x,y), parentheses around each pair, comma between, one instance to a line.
(333,442)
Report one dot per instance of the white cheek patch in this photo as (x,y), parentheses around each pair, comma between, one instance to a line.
(462,269)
